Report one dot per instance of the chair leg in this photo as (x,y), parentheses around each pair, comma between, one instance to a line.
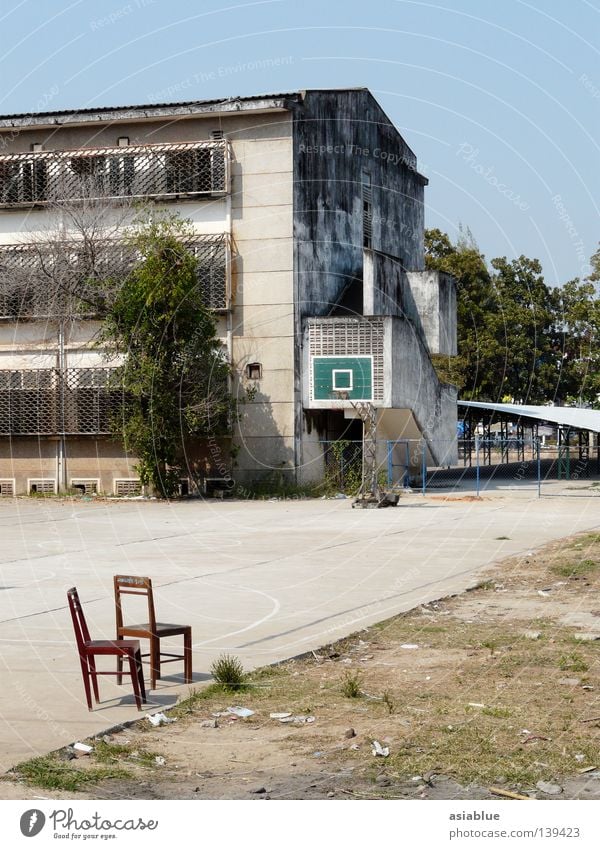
(154,661)
(140,672)
(119,669)
(187,656)
(133,669)
(85,672)
(93,676)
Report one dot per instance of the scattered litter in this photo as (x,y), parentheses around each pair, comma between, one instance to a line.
(209,723)
(587,687)
(579,758)
(499,791)
(159,760)
(587,769)
(379,750)
(534,737)
(383,780)
(569,682)
(259,790)
(242,712)
(586,638)
(298,720)
(279,715)
(525,731)
(157,719)
(318,754)
(548,788)
(82,749)
(409,646)
(355,746)
(532,635)
(476,704)
(543,593)
(339,496)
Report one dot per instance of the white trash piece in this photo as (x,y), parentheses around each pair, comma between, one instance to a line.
(82,748)
(242,712)
(279,716)
(409,646)
(379,750)
(157,719)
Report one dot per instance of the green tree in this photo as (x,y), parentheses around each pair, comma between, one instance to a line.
(478,351)
(506,331)
(577,343)
(524,327)
(174,375)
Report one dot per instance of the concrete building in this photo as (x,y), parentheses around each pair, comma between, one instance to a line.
(307,210)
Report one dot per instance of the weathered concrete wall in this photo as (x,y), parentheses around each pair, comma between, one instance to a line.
(263,314)
(434,295)
(414,385)
(337,136)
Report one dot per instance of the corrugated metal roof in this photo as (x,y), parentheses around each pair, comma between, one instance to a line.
(575,417)
(92,110)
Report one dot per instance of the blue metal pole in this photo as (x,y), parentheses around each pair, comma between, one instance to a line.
(477,462)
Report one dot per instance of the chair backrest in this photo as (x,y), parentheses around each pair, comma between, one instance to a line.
(137,586)
(82,634)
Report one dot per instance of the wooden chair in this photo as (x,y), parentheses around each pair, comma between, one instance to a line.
(89,649)
(152,630)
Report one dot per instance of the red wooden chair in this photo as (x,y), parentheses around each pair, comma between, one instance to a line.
(151,630)
(89,649)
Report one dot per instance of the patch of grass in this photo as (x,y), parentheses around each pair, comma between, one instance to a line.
(389,701)
(51,773)
(351,685)
(576,570)
(228,671)
(498,712)
(114,752)
(573,662)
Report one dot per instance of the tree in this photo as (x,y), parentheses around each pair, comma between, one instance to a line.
(173,372)
(478,350)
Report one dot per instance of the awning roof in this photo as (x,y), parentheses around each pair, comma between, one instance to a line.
(574,417)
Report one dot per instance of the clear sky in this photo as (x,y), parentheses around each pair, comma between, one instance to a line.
(499,99)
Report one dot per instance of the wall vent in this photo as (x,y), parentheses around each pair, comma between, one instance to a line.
(128,486)
(87,486)
(45,486)
(7,486)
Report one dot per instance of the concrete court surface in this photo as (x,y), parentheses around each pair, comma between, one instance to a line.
(261,580)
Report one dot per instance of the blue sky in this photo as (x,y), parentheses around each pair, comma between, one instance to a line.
(499,100)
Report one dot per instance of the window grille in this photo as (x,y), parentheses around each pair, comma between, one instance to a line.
(166,171)
(46,402)
(77,280)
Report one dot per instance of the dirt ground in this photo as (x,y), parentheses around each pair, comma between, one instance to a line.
(490,693)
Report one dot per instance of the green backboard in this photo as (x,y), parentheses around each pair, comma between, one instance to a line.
(351,375)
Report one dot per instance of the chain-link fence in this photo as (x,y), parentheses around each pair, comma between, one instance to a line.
(482,464)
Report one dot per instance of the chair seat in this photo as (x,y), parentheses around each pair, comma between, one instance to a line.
(163,629)
(110,645)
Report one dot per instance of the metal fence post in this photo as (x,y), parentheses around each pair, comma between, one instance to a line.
(477,462)
(390,469)
(539,470)
(423,468)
